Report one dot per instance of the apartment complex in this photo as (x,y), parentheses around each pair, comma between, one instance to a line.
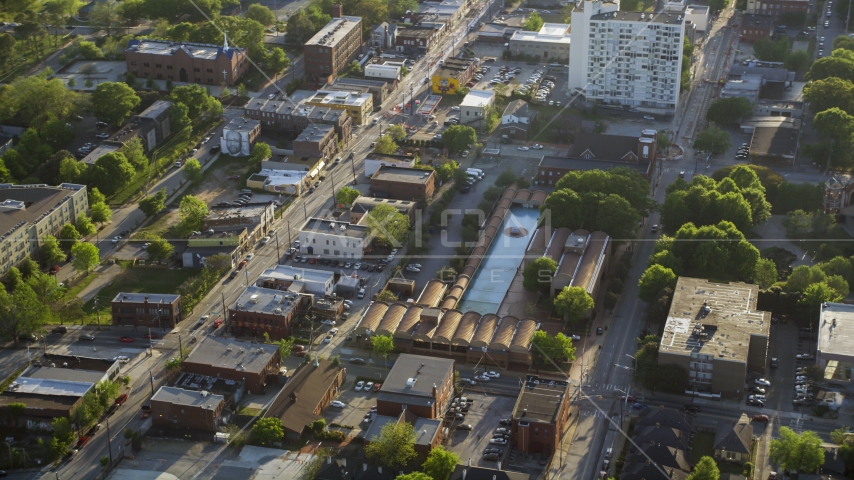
(357,105)
(264,310)
(550,43)
(30,212)
(280,116)
(714,331)
(331,239)
(152,310)
(540,415)
(626,58)
(329,51)
(186,62)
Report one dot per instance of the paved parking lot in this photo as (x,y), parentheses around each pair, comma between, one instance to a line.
(358,404)
(484,414)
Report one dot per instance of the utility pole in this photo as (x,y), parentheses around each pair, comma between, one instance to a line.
(151,377)
(289,234)
(109,441)
(332,179)
(278,255)
(98,314)
(224,311)
(180,347)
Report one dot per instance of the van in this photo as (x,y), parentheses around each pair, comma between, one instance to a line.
(361,293)
(472,176)
(475,170)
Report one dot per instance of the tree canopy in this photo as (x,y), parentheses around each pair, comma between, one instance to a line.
(440,463)
(346,195)
(193,212)
(713,140)
(113,102)
(457,138)
(197,100)
(729,110)
(267,430)
(86,256)
(797,452)
(617,181)
(547,349)
(394,447)
(538,274)
(385,145)
(387,226)
(655,279)
(572,302)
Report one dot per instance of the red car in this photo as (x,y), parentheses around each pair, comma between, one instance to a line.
(83,441)
(470,84)
(761,418)
(377,387)
(149,336)
(632,398)
(126,339)
(234,177)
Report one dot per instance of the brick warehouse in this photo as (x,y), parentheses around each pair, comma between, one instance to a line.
(403,183)
(329,51)
(186,409)
(263,310)
(421,385)
(186,62)
(147,310)
(540,415)
(256,364)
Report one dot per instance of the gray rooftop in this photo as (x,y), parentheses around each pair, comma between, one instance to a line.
(52,387)
(836,329)
(156,109)
(248,210)
(189,398)
(243,124)
(540,402)
(66,374)
(775,140)
(667,18)
(334,31)
(722,331)
(330,227)
(416,375)
(233,354)
(164,298)
(315,133)
(266,300)
(402,174)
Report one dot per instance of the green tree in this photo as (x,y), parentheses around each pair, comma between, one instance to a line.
(71,171)
(729,110)
(50,252)
(111,172)
(179,117)
(533,23)
(85,226)
(573,302)
(383,345)
(538,274)
(457,138)
(68,236)
(113,102)
(277,61)
(261,151)
(547,349)
(95,196)
(71,311)
(440,464)
(261,14)
(387,226)
(197,100)
(21,312)
(818,293)
(100,212)
(153,204)
(135,153)
(766,272)
(386,296)
(797,452)
(159,249)
(769,50)
(713,140)
(505,179)
(86,256)
(798,60)
(63,431)
(706,469)
(193,212)
(394,447)
(398,134)
(266,431)
(414,476)
(346,195)
(385,145)
(832,66)
(106,16)
(617,181)
(104,461)
(655,279)
(46,288)
(34,100)
(192,170)
(132,11)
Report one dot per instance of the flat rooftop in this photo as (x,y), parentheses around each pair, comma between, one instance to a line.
(315,133)
(243,124)
(453,67)
(331,227)
(156,109)
(402,174)
(540,400)
(29,203)
(477,98)
(51,387)
(169,48)
(836,329)
(188,398)
(286,272)
(416,32)
(774,141)
(338,97)
(524,36)
(753,20)
(248,210)
(666,18)
(713,319)
(233,354)
(415,375)
(146,297)
(197,381)
(266,300)
(73,362)
(64,374)
(335,31)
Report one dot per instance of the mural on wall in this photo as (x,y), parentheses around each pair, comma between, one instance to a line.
(236,143)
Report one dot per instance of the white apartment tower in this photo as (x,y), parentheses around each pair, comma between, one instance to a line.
(626,58)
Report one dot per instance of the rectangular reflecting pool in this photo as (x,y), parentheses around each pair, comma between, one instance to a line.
(499,266)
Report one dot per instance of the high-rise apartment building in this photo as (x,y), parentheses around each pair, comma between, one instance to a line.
(626,58)
(331,49)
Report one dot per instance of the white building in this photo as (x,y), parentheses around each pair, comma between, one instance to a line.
(551,43)
(699,16)
(315,282)
(626,58)
(290,182)
(383,71)
(474,106)
(331,239)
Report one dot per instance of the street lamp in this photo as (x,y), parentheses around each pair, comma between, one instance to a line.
(626,402)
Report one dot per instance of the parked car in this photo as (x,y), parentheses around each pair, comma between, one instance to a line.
(464,426)
(763,382)
(337,404)
(498,441)
(149,336)
(755,403)
(761,418)
(87,336)
(359,385)
(357,361)
(126,339)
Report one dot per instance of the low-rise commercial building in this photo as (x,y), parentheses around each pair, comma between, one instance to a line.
(383,71)
(239,135)
(199,63)
(308,391)
(316,141)
(260,310)
(419,384)
(452,75)
(290,182)
(714,332)
(403,183)
(774,139)
(374,161)
(357,105)
(777,8)
(474,105)
(231,242)
(363,205)
(517,121)
(181,409)
(332,239)
(255,364)
(257,218)
(152,310)
(283,117)
(28,213)
(299,280)
(598,151)
(416,40)
(330,50)
(379,88)
(834,352)
(540,415)
(698,15)
(756,27)
(550,43)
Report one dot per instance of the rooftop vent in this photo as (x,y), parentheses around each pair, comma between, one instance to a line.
(410,382)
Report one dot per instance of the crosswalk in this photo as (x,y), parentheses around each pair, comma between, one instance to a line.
(796,424)
(688,171)
(597,414)
(607,386)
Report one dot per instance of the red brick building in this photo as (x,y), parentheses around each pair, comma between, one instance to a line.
(264,310)
(421,385)
(186,409)
(777,8)
(331,49)
(256,364)
(151,310)
(540,415)
(317,141)
(403,183)
(756,27)
(186,62)
(597,152)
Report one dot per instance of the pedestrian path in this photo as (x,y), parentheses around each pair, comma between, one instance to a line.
(607,386)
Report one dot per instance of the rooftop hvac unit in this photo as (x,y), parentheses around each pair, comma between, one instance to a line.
(254,298)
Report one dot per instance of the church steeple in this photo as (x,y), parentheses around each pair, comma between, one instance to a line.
(225,41)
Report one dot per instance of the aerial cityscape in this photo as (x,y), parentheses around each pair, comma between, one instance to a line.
(427,239)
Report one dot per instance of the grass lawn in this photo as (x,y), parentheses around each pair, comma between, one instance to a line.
(24,59)
(137,279)
(703,446)
(75,290)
